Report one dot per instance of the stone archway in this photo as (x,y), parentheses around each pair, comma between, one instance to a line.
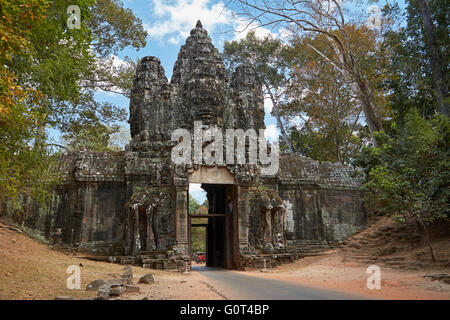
(222,227)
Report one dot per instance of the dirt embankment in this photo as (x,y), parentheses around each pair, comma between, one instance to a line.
(399,250)
(30,270)
(398,245)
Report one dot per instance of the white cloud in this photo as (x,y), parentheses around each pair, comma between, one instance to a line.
(268,105)
(243,28)
(285,34)
(272,133)
(177,18)
(195,187)
(117,62)
(174,40)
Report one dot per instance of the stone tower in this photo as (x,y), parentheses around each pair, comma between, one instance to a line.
(199,90)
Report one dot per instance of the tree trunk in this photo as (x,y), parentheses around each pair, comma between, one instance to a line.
(438,75)
(277,116)
(367,101)
(427,237)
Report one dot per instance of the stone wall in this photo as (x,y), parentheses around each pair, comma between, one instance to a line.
(322,200)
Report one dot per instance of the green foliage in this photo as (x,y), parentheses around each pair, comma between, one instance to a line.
(198,234)
(88,133)
(265,55)
(408,174)
(338,143)
(193,205)
(26,169)
(48,76)
(115,28)
(411,84)
(198,238)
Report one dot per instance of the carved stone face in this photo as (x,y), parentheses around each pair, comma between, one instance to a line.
(206,101)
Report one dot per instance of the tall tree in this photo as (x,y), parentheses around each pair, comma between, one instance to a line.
(437,61)
(326,18)
(69,65)
(21,166)
(323,106)
(45,69)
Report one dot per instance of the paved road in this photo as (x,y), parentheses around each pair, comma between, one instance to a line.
(236,285)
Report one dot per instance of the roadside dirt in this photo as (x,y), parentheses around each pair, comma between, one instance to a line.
(29,270)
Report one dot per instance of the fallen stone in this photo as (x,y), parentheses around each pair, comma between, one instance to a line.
(145,298)
(128,267)
(96,284)
(114,275)
(438,277)
(103,292)
(117,290)
(268,248)
(387,251)
(132,289)
(128,275)
(120,281)
(148,279)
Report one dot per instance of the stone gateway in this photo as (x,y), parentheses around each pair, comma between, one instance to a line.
(132,206)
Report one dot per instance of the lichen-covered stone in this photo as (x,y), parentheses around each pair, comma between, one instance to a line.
(148,279)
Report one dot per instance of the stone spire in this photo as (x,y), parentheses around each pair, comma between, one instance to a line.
(199,74)
(199,24)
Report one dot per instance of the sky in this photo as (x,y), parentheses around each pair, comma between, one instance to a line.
(168,23)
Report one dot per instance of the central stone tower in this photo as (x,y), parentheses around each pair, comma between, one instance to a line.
(200,90)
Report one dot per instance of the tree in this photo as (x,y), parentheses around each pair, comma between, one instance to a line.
(407,175)
(419,60)
(69,65)
(193,205)
(267,57)
(322,105)
(436,55)
(21,165)
(45,70)
(325,18)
